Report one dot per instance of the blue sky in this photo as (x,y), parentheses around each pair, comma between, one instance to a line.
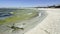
(27,3)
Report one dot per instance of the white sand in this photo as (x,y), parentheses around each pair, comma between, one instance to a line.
(50,25)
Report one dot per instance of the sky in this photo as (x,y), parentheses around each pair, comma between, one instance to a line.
(27,3)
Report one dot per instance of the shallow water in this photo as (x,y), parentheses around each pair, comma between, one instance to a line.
(4,15)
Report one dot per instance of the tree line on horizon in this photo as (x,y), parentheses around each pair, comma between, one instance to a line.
(52,6)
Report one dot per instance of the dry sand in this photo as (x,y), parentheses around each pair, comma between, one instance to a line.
(50,25)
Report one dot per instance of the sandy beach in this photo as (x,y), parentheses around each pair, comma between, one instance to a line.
(48,22)
(50,25)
